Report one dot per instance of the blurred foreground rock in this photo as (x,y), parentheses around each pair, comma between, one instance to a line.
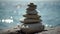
(54,30)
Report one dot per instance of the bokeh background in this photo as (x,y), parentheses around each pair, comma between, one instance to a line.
(12,11)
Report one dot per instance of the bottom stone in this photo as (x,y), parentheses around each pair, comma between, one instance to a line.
(32,28)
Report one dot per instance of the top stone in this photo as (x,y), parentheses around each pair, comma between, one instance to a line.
(32,5)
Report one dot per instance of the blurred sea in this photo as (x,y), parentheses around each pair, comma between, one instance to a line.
(11,13)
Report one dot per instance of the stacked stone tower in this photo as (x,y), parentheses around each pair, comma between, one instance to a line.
(32,15)
(32,22)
